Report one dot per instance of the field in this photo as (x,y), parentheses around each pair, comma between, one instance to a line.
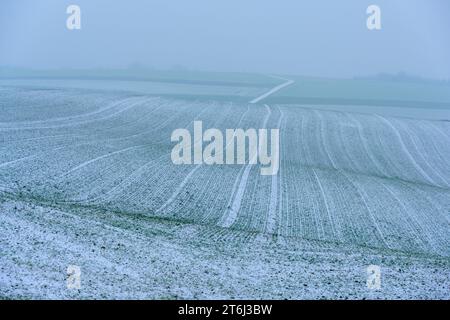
(86,179)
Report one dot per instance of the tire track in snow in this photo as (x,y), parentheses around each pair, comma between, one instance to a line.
(231,213)
(354,166)
(70,124)
(107,196)
(189,175)
(84,164)
(443,152)
(106,155)
(192,172)
(405,149)
(103,130)
(416,227)
(59,148)
(44,137)
(324,143)
(330,218)
(273,90)
(159,126)
(368,151)
(273,214)
(4,164)
(441,211)
(363,196)
(178,189)
(150,164)
(440,130)
(60,119)
(307,151)
(184,182)
(421,154)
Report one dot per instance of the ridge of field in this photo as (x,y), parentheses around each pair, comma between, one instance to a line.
(367,180)
(407,99)
(181,84)
(143,74)
(419,99)
(179,90)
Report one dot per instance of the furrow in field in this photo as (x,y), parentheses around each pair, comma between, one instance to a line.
(419,155)
(440,127)
(142,170)
(255,205)
(30,106)
(252,215)
(439,141)
(397,229)
(328,211)
(74,123)
(437,199)
(231,214)
(315,141)
(406,152)
(350,211)
(274,204)
(322,138)
(379,237)
(192,172)
(426,230)
(435,148)
(97,143)
(64,120)
(298,216)
(70,156)
(146,185)
(29,148)
(93,183)
(346,140)
(101,157)
(334,125)
(367,150)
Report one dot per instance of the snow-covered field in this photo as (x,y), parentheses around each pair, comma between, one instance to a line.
(86,179)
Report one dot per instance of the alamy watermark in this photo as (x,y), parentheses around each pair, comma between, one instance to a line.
(239,146)
(73,21)
(373,277)
(73,277)
(374,19)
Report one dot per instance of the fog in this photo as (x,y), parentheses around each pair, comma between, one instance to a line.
(317,38)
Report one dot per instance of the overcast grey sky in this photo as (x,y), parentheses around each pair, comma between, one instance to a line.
(317,37)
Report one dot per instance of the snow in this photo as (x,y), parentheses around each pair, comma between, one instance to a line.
(86,179)
(126,256)
(273,90)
